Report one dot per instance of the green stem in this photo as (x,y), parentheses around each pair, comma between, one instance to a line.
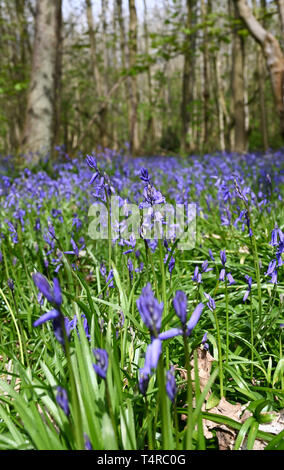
(219,354)
(165,412)
(251,336)
(189,429)
(227,320)
(78,426)
(109,229)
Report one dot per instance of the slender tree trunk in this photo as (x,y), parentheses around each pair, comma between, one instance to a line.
(95,71)
(261,86)
(273,55)
(150,126)
(38,135)
(280,5)
(220,103)
(206,92)
(124,62)
(58,74)
(238,88)
(188,75)
(134,137)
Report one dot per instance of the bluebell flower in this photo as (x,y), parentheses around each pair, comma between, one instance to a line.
(197,277)
(211,255)
(150,309)
(53,296)
(11,285)
(204,343)
(62,400)
(271,267)
(230,279)
(205,268)
(88,445)
(152,356)
(211,302)
(171,386)
(144,175)
(223,257)
(187,329)
(180,305)
(249,281)
(151,197)
(102,362)
(144,377)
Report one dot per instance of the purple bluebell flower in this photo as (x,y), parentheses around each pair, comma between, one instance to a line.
(11,284)
(249,282)
(54,296)
(150,309)
(205,268)
(44,287)
(191,324)
(274,236)
(271,267)
(88,445)
(204,343)
(274,277)
(230,279)
(197,276)
(171,264)
(153,353)
(222,274)
(144,175)
(151,197)
(109,279)
(37,227)
(75,250)
(211,255)
(62,400)
(187,329)
(144,377)
(223,257)
(102,362)
(152,356)
(180,305)
(171,386)
(211,302)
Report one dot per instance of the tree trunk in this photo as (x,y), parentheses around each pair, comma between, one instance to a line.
(273,56)
(134,137)
(150,134)
(280,5)
(124,60)
(95,71)
(188,75)
(38,135)
(238,88)
(206,93)
(261,86)
(220,103)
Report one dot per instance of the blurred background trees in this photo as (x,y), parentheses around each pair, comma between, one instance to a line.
(152,76)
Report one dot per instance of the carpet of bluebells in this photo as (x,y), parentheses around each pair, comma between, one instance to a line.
(130,343)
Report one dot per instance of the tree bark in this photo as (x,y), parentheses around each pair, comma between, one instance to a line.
(280,6)
(206,92)
(100,89)
(238,88)
(38,137)
(134,137)
(188,75)
(273,56)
